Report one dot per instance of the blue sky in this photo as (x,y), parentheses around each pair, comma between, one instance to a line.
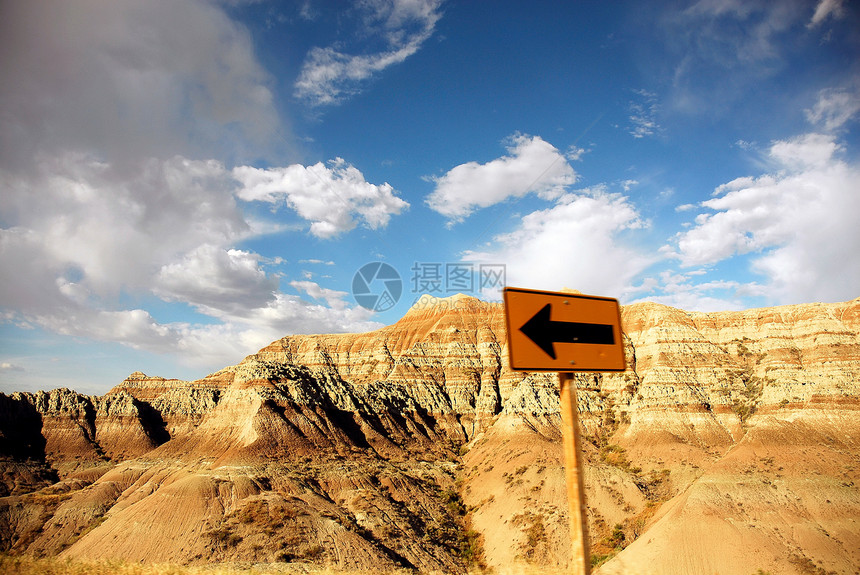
(184,182)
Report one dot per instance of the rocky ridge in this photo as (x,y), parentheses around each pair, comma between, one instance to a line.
(732,437)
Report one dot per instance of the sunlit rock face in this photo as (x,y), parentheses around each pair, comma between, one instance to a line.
(734,436)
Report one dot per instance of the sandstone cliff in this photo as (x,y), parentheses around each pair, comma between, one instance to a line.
(731,443)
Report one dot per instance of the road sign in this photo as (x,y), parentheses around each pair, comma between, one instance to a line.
(564,332)
(557,331)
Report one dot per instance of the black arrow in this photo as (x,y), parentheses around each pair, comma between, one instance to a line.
(544,332)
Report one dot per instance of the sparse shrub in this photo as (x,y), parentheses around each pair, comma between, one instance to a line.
(536,533)
(471,550)
(743,410)
(453,503)
(313,551)
(618,536)
(225,536)
(598,559)
(616,456)
(806,565)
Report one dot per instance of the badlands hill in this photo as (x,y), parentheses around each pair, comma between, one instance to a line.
(730,445)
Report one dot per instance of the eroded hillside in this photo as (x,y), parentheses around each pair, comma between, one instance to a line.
(731,444)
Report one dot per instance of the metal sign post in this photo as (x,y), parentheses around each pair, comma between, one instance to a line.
(563,332)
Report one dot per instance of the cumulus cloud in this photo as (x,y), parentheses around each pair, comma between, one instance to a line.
(329,75)
(113,227)
(578,243)
(216,279)
(799,222)
(292,314)
(128,79)
(532,166)
(329,197)
(82,233)
(107,200)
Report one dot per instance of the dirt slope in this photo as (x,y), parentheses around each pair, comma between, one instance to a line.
(729,445)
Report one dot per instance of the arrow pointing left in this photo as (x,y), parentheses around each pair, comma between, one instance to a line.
(544,332)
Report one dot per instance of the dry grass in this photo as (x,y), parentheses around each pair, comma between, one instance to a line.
(24,565)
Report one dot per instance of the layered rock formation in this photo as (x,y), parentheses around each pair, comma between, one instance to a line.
(730,444)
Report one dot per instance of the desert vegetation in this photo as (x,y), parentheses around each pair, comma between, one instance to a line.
(26,565)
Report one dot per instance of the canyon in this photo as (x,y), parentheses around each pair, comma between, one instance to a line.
(730,444)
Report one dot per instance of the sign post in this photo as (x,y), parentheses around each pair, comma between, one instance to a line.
(574,473)
(563,332)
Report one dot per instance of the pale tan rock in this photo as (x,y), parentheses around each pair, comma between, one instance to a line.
(359,439)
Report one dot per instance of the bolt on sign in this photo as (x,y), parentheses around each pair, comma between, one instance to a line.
(563,332)
(557,331)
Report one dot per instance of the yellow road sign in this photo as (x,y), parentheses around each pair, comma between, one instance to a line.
(557,331)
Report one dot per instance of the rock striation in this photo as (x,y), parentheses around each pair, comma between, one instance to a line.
(731,442)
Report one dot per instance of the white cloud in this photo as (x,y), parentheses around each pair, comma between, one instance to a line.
(114,226)
(284,314)
(800,222)
(834,108)
(214,279)
(128,79)
(8,366)
(643,115)
(533,166)
(333,298)
(290,314)
(804,152)
(681,291)
(208,346)
(317,261)
(329,197)
(103,104)
(85,232)
(824,9)
(329,75)
(101,207)
(135,328)
(578,243)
